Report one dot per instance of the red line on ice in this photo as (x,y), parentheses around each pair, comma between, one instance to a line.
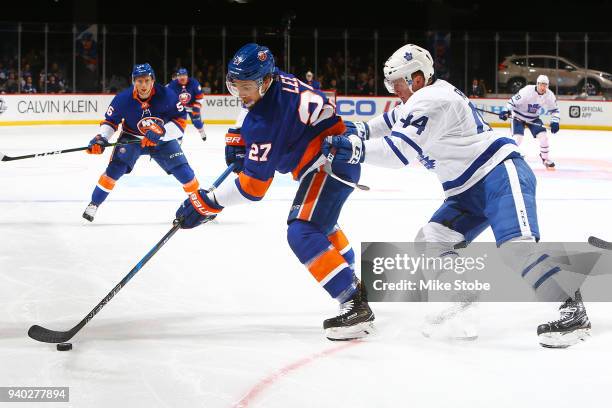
(266,382)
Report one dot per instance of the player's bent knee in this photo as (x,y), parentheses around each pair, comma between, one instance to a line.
(543,137)
(435,232)
(436,240)
(183,173)
(116,169)
(296,232)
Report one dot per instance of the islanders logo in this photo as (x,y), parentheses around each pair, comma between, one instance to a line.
(184,97)
(152,123)
(262,55)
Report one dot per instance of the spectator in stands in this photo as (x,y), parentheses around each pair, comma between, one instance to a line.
(3,73)
(311,81)
(477,90)
(26,71)
(29,87)
(363,85)
(333,85)
(53,86)
(87,63)
(11,85)
(206,88)
(117,83)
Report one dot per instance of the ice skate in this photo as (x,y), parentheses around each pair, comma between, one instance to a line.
(549,164)
(355,320)
(90,212)
(573,326)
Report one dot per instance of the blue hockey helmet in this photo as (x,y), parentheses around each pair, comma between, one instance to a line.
(252,62)
(182,71)
(142,70)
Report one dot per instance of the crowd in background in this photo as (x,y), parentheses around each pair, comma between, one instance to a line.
(360,74)
(33,78)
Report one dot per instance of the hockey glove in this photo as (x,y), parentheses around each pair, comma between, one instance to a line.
(361,129)
(554,127)
(235,150)
(96,145)
(197,209)
(504,114)
(347,149)
(153,132)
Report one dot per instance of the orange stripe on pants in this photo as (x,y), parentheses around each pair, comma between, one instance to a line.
(312,195)
(106,182)
(326,263)
(191,186)
(339,240)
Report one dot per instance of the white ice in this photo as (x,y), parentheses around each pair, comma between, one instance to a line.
(224,315)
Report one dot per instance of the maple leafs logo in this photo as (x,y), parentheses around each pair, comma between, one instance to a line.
(428,163)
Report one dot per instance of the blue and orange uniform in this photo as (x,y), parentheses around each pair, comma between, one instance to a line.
(283,132)
(190,94)
(161,112)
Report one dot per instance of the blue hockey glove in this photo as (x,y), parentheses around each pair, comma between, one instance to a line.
(504,114)
(348,149)
(361,129)
(554,127)
(153,130)
(96,145)
(197,209)
(235,150)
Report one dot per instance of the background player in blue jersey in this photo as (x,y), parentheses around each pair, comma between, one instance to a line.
(152,114)
(190,94)
(283,131)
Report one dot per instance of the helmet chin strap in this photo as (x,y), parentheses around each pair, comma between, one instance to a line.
(409,82)
(263,92)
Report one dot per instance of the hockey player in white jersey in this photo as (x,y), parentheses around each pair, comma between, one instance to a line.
(484,177)
(526,107)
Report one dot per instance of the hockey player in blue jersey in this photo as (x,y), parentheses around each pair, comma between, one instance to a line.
(152,114)
(283,131)
(486,181)
(190,94)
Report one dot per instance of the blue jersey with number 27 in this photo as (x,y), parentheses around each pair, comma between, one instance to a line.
(283,132)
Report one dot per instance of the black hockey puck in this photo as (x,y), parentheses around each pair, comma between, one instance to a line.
(64,346)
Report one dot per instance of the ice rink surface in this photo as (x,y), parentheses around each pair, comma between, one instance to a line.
(225,316)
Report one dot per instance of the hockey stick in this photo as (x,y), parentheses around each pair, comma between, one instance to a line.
(44,335)
(328,169)
(514,117)
(4,157)
(600,243)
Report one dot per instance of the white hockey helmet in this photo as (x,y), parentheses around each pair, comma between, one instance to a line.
(405,62)
(542,79)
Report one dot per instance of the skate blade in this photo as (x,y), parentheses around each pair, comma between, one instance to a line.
(357,331)
(564,340)
(550,168)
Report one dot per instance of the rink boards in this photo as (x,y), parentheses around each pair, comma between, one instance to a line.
(48,109)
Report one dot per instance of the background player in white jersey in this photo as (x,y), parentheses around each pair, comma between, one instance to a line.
(484,177)
(526,107)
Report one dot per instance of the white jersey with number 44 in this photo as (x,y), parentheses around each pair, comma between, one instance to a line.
(441,128)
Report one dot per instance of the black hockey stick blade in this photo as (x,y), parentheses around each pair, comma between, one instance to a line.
(600,243)
(39,333)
